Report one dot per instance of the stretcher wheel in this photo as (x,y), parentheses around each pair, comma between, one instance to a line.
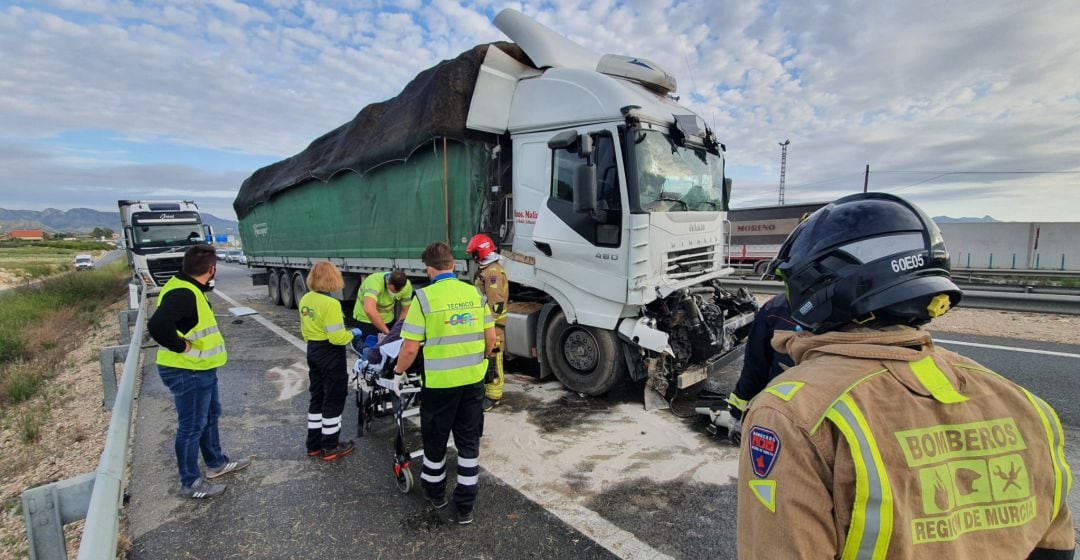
(405,480)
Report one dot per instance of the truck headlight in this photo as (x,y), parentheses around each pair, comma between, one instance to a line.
(146,278)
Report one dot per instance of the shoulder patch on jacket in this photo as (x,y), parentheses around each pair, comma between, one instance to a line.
(764,449)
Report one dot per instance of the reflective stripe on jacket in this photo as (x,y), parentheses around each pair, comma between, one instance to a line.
(878,444)
(450,317)
(321,319)
(207,345)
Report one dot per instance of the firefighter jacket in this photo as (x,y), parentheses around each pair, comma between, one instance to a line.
(207,345)
(449,317)
(878,444)
(321,319)
(491,281)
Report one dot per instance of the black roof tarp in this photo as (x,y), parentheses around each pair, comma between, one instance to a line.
(434,104)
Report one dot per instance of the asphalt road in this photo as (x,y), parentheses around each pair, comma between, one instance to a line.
(563,477)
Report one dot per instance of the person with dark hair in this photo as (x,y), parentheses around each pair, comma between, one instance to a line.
(878,443)
(323,327)
(192,349)
(453,321)
(375,301)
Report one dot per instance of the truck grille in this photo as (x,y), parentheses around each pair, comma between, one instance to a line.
(163,269)
(687,263)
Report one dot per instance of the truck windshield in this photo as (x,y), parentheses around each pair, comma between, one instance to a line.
(167,235)
(673,178)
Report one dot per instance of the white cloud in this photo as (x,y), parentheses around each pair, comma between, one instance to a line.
(960,86)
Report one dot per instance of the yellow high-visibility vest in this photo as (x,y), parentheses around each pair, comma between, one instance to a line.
(207,345)
(450,316)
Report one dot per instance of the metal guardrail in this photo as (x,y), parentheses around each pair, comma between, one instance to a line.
(974,299)
(98,496)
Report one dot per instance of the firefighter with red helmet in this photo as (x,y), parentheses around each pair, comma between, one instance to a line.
(491,281)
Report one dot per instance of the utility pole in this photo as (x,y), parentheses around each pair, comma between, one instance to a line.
(783,167)
(866,178)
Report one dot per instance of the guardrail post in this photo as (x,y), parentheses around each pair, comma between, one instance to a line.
(127,319)
(968,261)
(46,509)
(1036,261)
(1063,261)
(991,261)
(108,358)
(1014,261)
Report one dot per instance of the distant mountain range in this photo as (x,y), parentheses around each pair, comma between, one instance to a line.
(948,220)
(83,220)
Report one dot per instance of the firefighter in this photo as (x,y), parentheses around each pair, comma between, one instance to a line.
(878,443)
(491,281)
(760,362)
(458,331)
(323,327)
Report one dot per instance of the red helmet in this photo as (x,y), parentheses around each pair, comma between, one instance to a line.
(480,246)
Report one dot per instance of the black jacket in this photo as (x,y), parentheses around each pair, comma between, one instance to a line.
(761,363)
(176,313)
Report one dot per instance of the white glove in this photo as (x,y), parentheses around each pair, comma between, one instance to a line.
(395,384)
(380,338)
(735,430)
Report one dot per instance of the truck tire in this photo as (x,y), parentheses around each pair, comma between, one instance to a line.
(760,267)
(273,287)
(285,287)
(299,286)
(585,359)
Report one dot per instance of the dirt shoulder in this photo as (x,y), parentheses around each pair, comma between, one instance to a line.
(72,432)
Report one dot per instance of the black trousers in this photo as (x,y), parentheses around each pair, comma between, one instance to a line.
(459,410)
(328,376)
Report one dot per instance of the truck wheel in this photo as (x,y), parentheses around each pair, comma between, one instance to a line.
(285,287)
(585,359)
(299,286)
(760,267)
(273,287)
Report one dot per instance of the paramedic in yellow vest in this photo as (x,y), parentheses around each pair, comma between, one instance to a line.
(192,349)
(378,294)
(878,443)
(491,281)
(452,320)
(323,327)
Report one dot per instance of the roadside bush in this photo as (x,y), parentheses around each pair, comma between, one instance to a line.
(66,246)
(35,320)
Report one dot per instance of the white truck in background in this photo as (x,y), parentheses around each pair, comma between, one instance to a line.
(156,234)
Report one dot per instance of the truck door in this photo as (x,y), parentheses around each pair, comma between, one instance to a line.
(577,252)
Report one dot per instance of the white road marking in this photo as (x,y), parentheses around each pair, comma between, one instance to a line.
(267,323)
(612,537)
(1008,348)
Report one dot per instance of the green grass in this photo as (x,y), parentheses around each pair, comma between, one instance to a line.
(63,247)
(29,422)
(36,322)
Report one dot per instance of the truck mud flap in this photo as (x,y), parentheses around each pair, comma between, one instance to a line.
(260,278)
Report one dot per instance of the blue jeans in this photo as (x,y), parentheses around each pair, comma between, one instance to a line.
(195,394)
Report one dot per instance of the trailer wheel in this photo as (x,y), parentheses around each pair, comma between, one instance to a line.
(585,359)
(299,286)
(273,287)
(285,287)
(760,267)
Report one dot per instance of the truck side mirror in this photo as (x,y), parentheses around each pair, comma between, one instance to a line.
(563,140)
(727,193)
(208,234)
(585,188)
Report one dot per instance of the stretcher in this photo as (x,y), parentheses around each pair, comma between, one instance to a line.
(379,394)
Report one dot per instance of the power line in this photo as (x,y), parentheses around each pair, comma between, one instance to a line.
(946,173)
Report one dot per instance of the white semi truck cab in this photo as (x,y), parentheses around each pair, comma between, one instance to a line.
(156,234)
(618,227)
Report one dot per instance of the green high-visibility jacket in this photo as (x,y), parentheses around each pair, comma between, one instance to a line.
(207,345)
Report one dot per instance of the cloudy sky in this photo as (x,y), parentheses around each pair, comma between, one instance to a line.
(952,104)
